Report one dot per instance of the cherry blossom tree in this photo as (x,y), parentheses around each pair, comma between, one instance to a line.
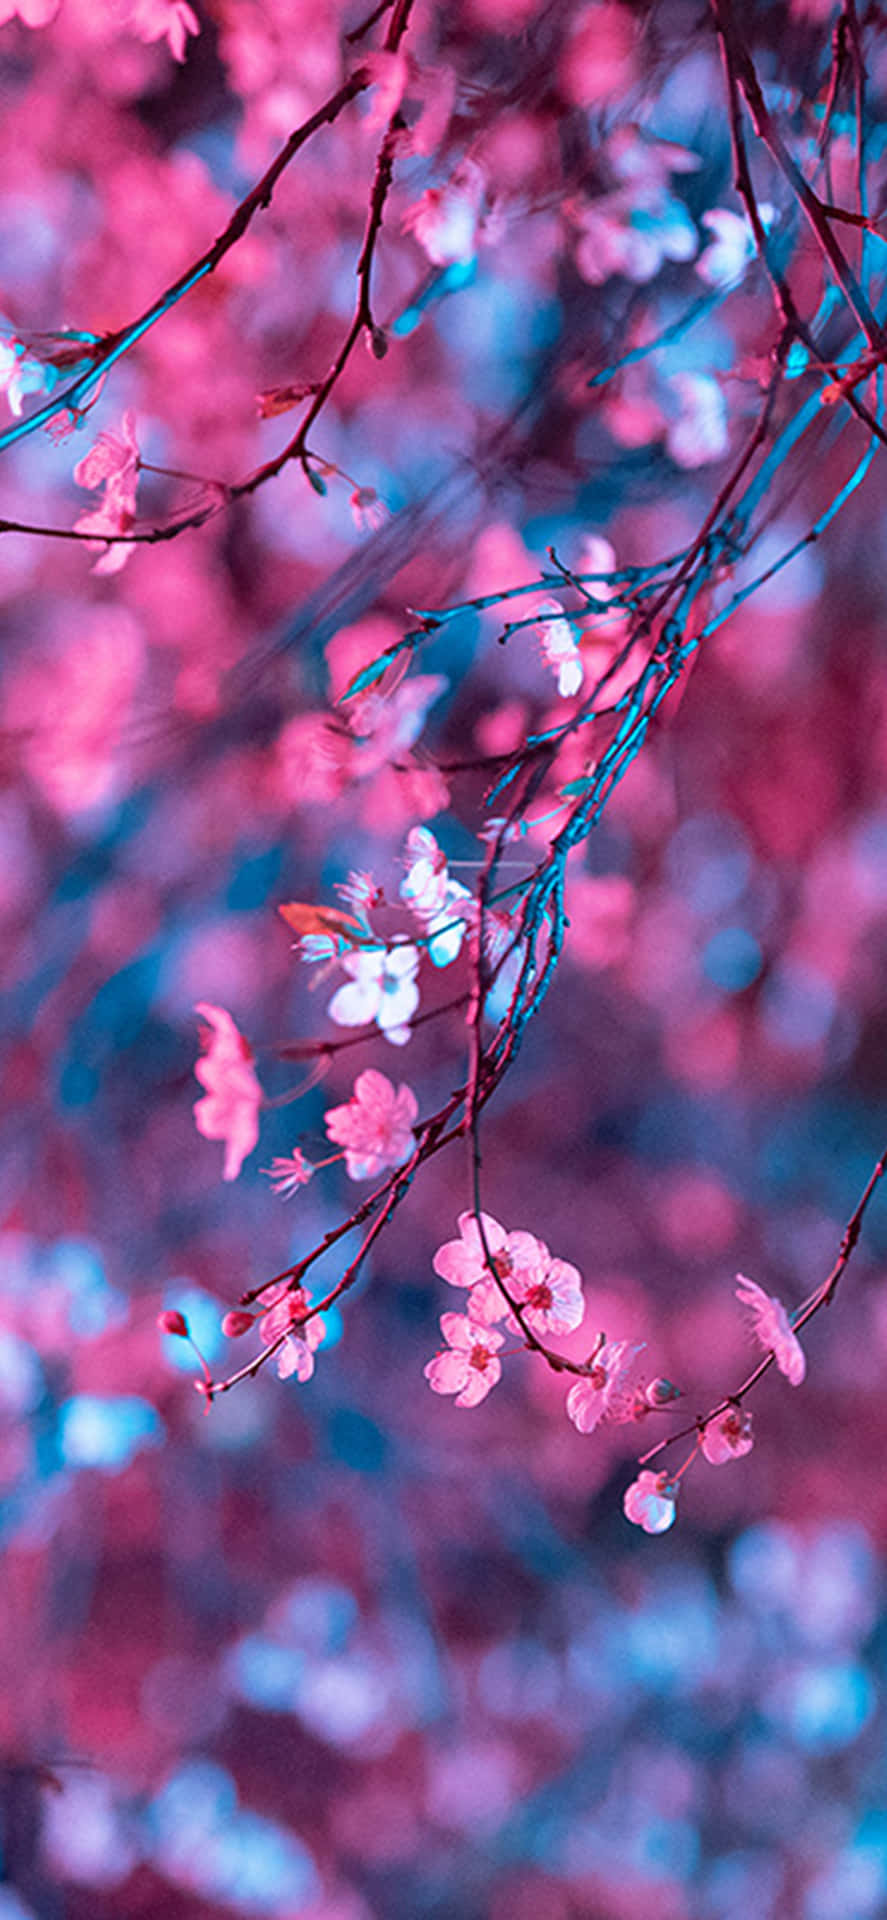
(441,486)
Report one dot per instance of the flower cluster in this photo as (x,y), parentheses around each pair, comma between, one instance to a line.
(511,1277)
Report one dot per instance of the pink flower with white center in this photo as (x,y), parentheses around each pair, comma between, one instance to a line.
(773,1329)
(289,1172)
(382,987)
(112,463)
(559,647)
(462,1262)
(376,1125)
(471,1368)
(445,221)
(169,20)
(728,1437)
(435,899)
(285,1305)
(608,1391)
(651,1502)
(19,375)
(229,1109)
(549,1293)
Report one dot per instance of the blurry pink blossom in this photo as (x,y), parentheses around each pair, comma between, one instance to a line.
(382,987)
(19,375)
(732,246)
(471,1368)
(289,1172)
(607,1392)
(112,463)
(386,726)
(632,232)
(773,1329)
(445,221)
(229,1109)
(699,433)
(728,1437)
(368,512)
(389,73)
(651,1502)
(32,13)
(599,63)
(376,1125)
(169,20)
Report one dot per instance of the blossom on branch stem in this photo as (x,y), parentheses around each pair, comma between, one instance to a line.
(229,1109)
(549,1292)
(607,1393)
(772,1328)
(651,1502)
(728,1437)
(112,463)
(435,898)
(471,1368)
(382,987)
(375,1126)
(285,1310)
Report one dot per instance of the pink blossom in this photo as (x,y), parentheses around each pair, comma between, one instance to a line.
(728,1437)
(559,646)
(733,245)
(376,1125)
(289,1172)
(434,897)
(389,74)
(113,457)
(368,512)
(285,1305)
(651,1502)
(445,221)
(32,13)
(387,725)
(462,1262)
(229,1109)
(632,232)
(607,1391)
(382,987)
(699,433)
(112,463)
(549,1293)
(19,375)
(169,20)
(471,1368)
(773,1329)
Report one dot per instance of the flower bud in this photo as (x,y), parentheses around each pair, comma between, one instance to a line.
(660,1392)
(171,1321)
(236,1323)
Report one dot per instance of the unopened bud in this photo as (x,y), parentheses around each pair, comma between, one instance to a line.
(171,1321)
(236,1323)
(378,343)
(660,1392)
